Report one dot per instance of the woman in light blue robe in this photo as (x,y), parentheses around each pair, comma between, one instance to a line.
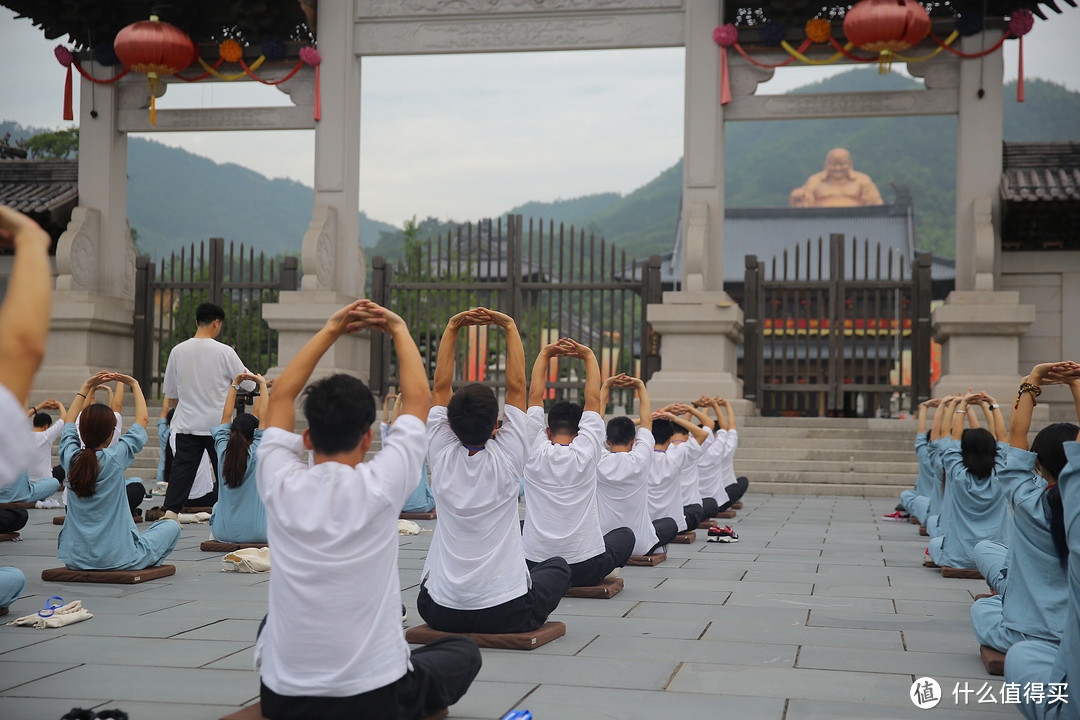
(239,515)
(973,505)
(98,532)
(421,500)
(917,498)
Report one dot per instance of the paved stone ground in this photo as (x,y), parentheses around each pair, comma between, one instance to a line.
(823,610)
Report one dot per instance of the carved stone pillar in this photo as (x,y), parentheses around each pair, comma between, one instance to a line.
(333,262)
(700,326)
(92,313)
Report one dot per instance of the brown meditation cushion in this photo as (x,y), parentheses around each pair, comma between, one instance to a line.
(18,505)
(913,520)
(706,524)
(7,537)
(726,514)
(736,505)
(224,547)
(964,573)
(3,611)
(254,712)
(123,577)
(419,516)
(198,509)
(609,587)
(423,634)
(923,532)
(993,661)
(647,560)
(685,538)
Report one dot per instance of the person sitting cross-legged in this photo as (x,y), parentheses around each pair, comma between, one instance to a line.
(331,646)
(561,517)
(475,578)
(239,515)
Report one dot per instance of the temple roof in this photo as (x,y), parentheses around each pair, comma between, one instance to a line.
(1041,171)
(39,186)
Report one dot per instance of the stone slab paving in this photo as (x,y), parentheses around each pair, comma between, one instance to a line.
(823,610)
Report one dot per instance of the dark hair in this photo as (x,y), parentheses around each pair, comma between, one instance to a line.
(472,412)
(42,419)
(1055,516)
(339,410)
(207,313)
(563,418)
(978,448)
(235,463)
(1049,445)
(621,431)
(96,425)
(662,430)
(677,429)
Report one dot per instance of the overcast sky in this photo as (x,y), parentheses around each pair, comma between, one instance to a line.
(469,136)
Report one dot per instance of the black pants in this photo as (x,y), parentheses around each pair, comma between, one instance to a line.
(710,506)
(694,514)
(618,547)
(135,493)
(189,450)
(666,530)
(550,581)
(735,491)
(206,500)
(13,519)
(442,672)
(59,474)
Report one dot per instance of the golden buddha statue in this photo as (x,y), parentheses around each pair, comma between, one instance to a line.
(838,185)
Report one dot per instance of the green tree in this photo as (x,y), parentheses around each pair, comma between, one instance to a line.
(59,144)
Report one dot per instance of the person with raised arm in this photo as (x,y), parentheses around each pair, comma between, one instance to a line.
(693,512)
(560,477)
(475,578)
(333,530)
(98,531)
(239,515)
(24,325)
(622,475)
(916,501)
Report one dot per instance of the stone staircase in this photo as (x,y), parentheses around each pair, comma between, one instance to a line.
(827,456)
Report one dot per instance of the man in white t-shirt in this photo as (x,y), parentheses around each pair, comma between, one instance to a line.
(693,506)
(622,475)
(669,463)
(711,464)
(197,380)
(561,516)
(331,646)
(475,578)
(734,487)
(24,325)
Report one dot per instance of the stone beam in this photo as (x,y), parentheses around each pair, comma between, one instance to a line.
(854,104)
(211,119)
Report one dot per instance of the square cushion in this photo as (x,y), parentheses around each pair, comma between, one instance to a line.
(647,560)
(706,524)
(223,547)
(193,509)
(609,587)
(685,538)
(423,634)
(923,532)
(418,516)
(7,537)
(726,514)
(736,505)
(18,505)
(993,661)
(124,577)
(964,573)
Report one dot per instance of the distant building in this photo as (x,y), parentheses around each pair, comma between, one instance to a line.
(46,190)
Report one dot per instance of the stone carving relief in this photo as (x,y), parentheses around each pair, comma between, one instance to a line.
(940,73)
(130,255)
(412,8)
(697,228)
(319,249)
(982,209)
(300,88)
(77,251)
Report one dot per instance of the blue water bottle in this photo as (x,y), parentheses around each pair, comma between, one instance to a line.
(517,715)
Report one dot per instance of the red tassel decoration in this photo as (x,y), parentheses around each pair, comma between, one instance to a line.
(1020,74)
(318,104)
(725,82)
(69,110)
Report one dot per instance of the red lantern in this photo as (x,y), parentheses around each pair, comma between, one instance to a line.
(154,48)
(886,27)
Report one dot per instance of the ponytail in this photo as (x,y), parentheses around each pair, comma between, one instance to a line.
(83,473)
(237,451)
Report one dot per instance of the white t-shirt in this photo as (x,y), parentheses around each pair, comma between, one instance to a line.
(476,559)
(622,491)
(118,430)
(199,374)
(561,519)
(16,445)
(688,473)
(334,626)
(665,491)
(711,466)
(204,476)
(41,462)
(728,473)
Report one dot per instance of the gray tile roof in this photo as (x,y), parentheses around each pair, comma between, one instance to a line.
(1041,172)
(39,186)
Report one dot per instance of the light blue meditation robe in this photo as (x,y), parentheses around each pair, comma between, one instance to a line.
(972,510)
(12,584)
(917,501)
(1034,606)
(239,515)
(1040,661)
(991,559)
(421,500)
(23,490)
(98,532)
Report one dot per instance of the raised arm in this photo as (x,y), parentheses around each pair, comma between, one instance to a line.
(142,415)
(697,433)
(959,414)
(86,391)
(1030,388)
(282,410)
(538,383)
(116,401)
(516,391)
(24,314)
(264,400)
(644,408)
(721,416)
(994,419)
(605,390)
(230,399)
(444,364)
(944,409)
(413,388)
(592,373)
(60,409)
(923,410)
(702,417)
(730,412)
